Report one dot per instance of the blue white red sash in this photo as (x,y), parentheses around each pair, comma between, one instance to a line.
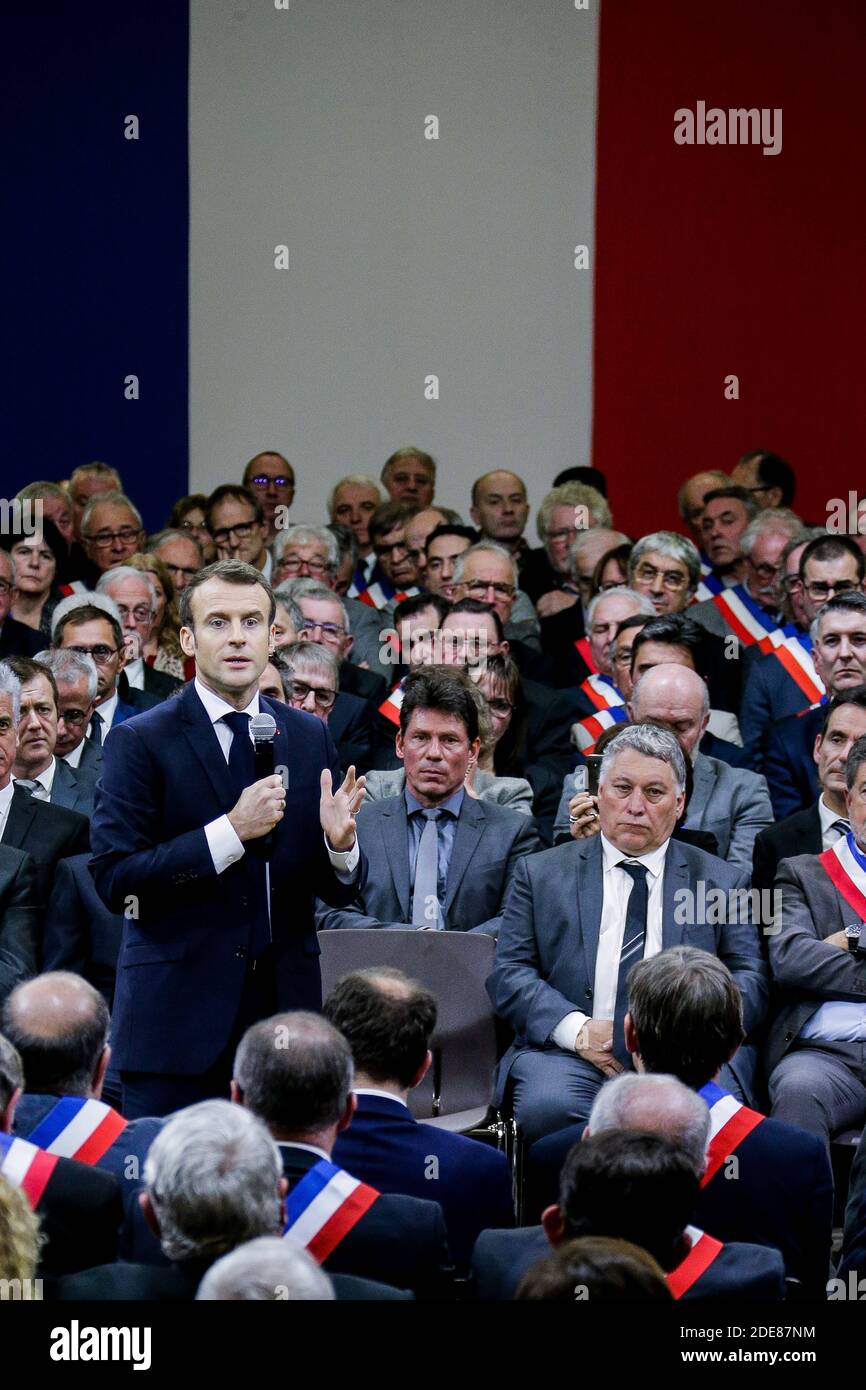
(730,1122)
(324,1207)
(586,731)
(26,1166)
(751,623)
(390,706)
(601,692)
(79,1128)
(704,1250)
(709,585)
(795,655)
(845,865)
(584,650)
(382,593)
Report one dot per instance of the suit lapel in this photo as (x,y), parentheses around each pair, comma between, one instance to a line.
(590,895)
(64,788)
(22,813)
(676,877)
(201,736)
(394,824)
(704,782)
(470,828)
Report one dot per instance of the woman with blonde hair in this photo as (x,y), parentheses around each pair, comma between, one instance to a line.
(163,650)
(19,1235)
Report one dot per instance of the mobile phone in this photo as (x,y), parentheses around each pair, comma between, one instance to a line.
(593,768)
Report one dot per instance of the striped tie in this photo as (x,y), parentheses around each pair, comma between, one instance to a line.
(632,949)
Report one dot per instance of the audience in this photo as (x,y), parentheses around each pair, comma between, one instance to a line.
(266,1270)
(16,638)
(77,680)
(235,518)
(271,479)
(500,509)
(409,477)
(36,768)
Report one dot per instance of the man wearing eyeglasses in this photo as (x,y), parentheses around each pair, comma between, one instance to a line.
(488,572)
(311,683)
(766,477)
(271,478)
(236,520)
(394,576)
(90,625)
(181,554)
(134,592)
(750,610)
(111,530)
(77,681)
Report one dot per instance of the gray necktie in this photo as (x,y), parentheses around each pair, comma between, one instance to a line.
(425,898)
(36,789)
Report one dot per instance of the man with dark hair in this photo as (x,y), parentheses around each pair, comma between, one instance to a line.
(750,611)
(727,512)
(271,478)
(36,768)
(394,575)
(221,866)
(409,478)
(437,858)
(444,547)
(236,520)
(388,1021)
(641,1187)
(603,1270)
(294,1072)
(766,477)
(675,637)
(685,1019)
(89,625)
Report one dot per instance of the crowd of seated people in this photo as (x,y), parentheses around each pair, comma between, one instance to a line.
(636,763)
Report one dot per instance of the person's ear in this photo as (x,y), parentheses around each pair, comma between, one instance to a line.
(775,496)
(7,1114)
(99,1075)
(422,1070)
(816,749)
(398,745)
(235,1093)
(474,750)
(346,1118)
(553,1224)
(187,641)
(632,1041)
(149,1212)
(630,711)
(348,644)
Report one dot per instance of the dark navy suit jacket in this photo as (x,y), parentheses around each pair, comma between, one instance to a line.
(790,770)
(388,1148)
(188,930)
(769,695)
(81,934)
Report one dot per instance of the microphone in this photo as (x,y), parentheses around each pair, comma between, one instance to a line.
(263,731)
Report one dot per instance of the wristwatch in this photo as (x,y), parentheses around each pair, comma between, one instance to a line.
(852,936)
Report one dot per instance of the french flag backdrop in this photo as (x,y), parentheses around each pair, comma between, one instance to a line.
(422,252)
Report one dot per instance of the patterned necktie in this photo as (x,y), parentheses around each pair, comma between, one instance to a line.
(841,827)
(94,733)
(36,789)
(426,911)
(632,949)
(242,767)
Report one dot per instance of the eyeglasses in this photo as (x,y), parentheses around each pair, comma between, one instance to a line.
(262,480)
(479,587)
(191,526)
(179,569)
(765,571)
(326,629)
(821,590)
(103,539)
(383,550)
(293,564)
(239,532)
(324,698)
(500,707)
(73,716)
(566,534)
(140,613)
(792,582)
(671,579)
(100,653)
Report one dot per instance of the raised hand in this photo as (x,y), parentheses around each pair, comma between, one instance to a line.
(337,809)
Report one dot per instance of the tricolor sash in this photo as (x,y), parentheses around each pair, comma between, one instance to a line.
(79,1128)
(795,654)
(380,594)
(26,1166)
(585,732)
(709,584)
(601,692)
(751,623)
(390,706)
(730,1122)
(583,649)
(704,1250)
(324,1207)
(845,866)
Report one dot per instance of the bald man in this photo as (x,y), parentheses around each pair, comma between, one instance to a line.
(59,1025)
(500,509)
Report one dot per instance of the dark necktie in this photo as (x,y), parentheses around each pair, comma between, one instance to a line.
(841,827)
(426,911)
(94,733)
(242,768)
(632,949)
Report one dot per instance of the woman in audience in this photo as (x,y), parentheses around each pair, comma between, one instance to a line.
(187,515)
(19,1234)
(38,559)
(163,650)
(612,569)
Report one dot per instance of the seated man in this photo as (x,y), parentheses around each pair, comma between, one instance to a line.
(643,1188)
(438,858)
(20,917)
(395,575)
(312,684)
(580,915)
(266,1270)
(814,1056)
(45,776)
(685,1019)
(388,1021)
(89,624)
(294,1072)
(134,592)
(77,682)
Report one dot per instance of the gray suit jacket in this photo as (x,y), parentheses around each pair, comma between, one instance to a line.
(489,843)
(729,802)
(548,943)
(513,792)
(91,759)
(809,972)
(366,625)
(74,787)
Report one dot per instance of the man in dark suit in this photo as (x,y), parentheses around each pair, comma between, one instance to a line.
(294,1072)
(79,1208)
(642,1188)
(685,1021)
(310,676)
(388,1021)
(89,624)
(45,776)
(839,653)
(77,683)
(59,1025)
(16,639)
(20,915)
(815,1061)
(437,858)
(826,821)
(215,869)
(81,933)
(579,916)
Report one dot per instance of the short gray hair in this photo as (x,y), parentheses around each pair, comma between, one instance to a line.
(266,1270)
(213,1175)
(301,657)
(658,1104)
(779,519)
(10,685)
(69,666)
(88,599)
(583,539)
(297,589)
(308,535)
(357,480)
(675,547)
(486,547)
(575,495)
(115,499)
(643,603)
(295,1072)
(285,600)
(653,743)
(127,572)
(170,534)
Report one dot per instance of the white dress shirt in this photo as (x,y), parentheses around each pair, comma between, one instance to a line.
(375,1091)
(45,780)
(616,887)
(828,819)
(106,712)
(222,839)
(5,803)
(134,672)
(73,759)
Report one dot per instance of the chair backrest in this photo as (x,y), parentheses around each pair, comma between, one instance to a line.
(454,966)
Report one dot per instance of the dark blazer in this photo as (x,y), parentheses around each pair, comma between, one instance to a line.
(789,766)
(48,833)
(489,842)
(179,1283)
(367,685)
(792,1212)
(730,753)
(20,909)
(81,933)
(388,1148)
(537,575)
(808,972)
(91,759)
(137,700)
(769,695)
(73,787)
(183,958)
(548,942)
(79,1215)
(501,1258)
(399,1240)
(795,835)
(17,639)
(350,724)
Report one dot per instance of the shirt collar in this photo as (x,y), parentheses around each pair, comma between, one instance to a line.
(383,1095)
(452,805)
(654,861)
(106,712)
(6,796)
(216,706)
(46,777)
(308,1148)
(827,817)
(74,758)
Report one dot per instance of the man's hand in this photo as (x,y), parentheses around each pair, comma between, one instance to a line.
(583,820)
(337,811)
(837,939)
(554,602)
(595,1044)
(261,806)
